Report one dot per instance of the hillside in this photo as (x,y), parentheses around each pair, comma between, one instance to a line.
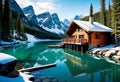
(44,25)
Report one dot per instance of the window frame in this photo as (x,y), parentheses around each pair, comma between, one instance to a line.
(97,36)
(81,36)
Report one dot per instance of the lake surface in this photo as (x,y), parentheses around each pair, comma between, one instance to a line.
(71,66)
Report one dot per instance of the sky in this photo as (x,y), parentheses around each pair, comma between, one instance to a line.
(64,8)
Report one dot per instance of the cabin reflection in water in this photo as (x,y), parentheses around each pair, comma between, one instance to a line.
(80,66)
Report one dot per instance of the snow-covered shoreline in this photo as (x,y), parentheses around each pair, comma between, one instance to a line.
(10,74)
(31,38)
(107,52)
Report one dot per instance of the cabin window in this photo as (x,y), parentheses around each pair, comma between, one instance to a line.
(81,36)
(74,36)
(80,30)
(97,36)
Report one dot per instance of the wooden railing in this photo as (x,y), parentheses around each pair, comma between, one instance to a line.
(71,40)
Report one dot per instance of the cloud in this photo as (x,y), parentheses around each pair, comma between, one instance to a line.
(38,5)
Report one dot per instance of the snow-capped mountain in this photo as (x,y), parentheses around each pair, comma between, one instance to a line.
(67,22)
(46,21)
(49,24)
(77,17)
(29,12)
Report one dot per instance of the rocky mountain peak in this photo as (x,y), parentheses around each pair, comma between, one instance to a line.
(29,11)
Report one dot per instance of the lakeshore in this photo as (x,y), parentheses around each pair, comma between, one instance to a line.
(69,62)
(107,52)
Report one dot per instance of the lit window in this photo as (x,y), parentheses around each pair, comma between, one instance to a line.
(81,36)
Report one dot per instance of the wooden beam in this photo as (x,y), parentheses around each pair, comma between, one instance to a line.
(37,68)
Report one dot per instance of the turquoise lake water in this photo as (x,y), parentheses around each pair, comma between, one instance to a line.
(71,66)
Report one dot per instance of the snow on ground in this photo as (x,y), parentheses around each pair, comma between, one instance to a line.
(21,78)
(109,51)
(31,38)
(94,50)
(5,58)
(110,47)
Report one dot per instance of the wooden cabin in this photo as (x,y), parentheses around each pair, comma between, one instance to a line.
(93,33)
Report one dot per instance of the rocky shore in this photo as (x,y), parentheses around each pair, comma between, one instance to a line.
(108,51)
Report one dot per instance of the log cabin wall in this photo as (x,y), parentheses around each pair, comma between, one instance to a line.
(100,38)
(80,34)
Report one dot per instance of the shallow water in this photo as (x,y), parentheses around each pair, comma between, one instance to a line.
(71,66)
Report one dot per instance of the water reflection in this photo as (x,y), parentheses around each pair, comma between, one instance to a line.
(49,56)
(97,70)
(76,67)
(71,66)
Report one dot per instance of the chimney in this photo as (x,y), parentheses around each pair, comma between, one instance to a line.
(91,14)
(91,20)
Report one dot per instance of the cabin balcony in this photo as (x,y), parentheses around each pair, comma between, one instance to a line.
(74,41)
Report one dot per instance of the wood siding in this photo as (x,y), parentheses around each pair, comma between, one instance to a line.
(92,37)
(104,38)
(77,33)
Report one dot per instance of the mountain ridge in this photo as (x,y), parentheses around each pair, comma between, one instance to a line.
(46,21)
(30,18)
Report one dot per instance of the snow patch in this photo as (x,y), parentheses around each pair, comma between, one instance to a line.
(31,38)
(53,30)
(5,58)
(92,27)
(103,48)
(21,78)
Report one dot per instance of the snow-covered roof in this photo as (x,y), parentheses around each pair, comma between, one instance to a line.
(86,25)
(5,58)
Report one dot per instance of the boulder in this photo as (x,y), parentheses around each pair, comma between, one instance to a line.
(7,65)
(116,57)
(110,53)
(118,53)
(95,51)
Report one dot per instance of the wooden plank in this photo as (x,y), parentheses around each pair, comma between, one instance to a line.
(37,68)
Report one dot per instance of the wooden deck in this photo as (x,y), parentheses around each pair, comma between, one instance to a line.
(74,41)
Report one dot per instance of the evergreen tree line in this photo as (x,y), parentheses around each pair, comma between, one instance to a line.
(109,17)
(10,28)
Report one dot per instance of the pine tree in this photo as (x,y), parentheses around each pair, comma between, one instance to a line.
(113,14)
(20,29)
(102,14)
(109,15)
(0,18)
(0,7)
(91,10)
(6,21)
(22,33)
(18,26)
(91,14)
(116,20)
(11,25)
